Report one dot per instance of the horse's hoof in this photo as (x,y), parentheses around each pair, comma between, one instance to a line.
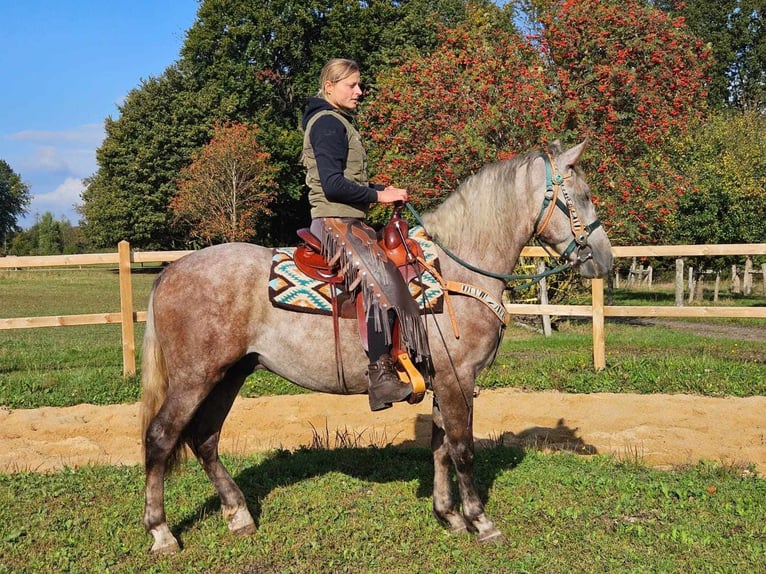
(240,522)
(493,537)
(164,541)
(165,548)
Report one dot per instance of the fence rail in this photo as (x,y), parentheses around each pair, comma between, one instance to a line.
(597,310)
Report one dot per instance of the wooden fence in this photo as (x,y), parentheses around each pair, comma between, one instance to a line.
(597,310)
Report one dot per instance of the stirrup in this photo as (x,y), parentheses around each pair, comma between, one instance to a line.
(408,373)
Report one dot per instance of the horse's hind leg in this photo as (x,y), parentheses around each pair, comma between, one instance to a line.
(203,434)
(162,444)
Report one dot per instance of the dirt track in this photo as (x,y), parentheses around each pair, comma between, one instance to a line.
(663,430)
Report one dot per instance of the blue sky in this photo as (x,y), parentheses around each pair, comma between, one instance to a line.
(66,67)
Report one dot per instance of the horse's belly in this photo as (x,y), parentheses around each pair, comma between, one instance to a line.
(309,361)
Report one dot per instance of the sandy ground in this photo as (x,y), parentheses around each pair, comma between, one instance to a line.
(661,430)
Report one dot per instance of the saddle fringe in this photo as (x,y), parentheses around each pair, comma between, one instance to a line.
(364,266)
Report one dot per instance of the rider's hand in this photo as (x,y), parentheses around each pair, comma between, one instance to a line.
(392,194)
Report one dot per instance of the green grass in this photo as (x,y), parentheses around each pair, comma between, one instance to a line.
(63,366)
(369,510)
(72,291)
(73,365)
(640,359)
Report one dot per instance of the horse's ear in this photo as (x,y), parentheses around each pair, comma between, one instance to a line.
(554,147)
(570,157)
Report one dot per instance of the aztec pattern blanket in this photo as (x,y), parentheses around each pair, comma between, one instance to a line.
(291,289)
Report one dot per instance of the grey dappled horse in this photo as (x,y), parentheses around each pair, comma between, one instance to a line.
(210,324)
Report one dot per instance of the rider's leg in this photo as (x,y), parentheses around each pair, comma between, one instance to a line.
(385,386)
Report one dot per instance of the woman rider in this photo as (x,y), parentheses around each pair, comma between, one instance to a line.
(340,196)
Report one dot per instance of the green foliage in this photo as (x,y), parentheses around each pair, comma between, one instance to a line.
(14,199)
(437,119)
(624,75)
(631,79)
(49,237)
(248,62)
(442,99)
(726,159)
(736,33)
(159,127)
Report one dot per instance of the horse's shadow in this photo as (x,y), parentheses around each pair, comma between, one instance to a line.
(411,460)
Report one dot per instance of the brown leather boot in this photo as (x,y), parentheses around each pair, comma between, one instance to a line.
(385,386)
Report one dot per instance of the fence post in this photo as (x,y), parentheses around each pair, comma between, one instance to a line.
(735,283)
(543,286)
(691,284)
(126,310)
(717,286)
(679,282)
(747,278)
(599,339)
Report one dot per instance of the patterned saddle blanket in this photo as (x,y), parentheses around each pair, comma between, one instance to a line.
(291,289)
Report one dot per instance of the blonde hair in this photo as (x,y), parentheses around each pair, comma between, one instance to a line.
(336,70)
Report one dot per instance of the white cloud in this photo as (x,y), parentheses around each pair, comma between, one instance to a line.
(61,159)
(89,134)
(69,152)
(65,195)
(53,163)
(60,202)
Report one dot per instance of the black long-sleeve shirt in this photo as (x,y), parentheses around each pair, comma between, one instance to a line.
(330,143)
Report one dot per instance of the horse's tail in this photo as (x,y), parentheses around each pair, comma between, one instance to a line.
(154,382)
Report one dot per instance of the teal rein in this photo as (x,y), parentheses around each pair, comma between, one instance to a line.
(531,280)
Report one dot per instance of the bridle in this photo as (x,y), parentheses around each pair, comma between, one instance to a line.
(555,190)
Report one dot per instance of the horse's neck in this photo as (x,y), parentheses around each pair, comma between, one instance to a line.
(488,220)
(487,254)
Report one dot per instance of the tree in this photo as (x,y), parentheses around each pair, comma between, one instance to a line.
(14,200)
(727,160)
(632,79)
(435,120)
(159,128)
(48,236)
(224,194)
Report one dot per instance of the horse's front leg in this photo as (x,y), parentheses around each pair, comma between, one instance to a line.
(443,503)
(457,424)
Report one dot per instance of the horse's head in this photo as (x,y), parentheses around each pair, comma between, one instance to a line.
(567,220)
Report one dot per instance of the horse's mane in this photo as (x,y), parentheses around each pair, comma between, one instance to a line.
(481,212)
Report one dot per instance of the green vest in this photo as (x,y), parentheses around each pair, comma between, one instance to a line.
(356,171)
